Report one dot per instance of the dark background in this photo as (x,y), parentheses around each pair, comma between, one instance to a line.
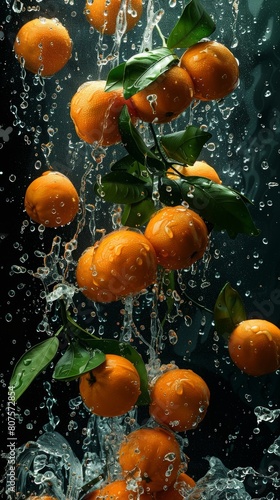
(250,264)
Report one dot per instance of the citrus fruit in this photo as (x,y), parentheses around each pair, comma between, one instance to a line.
(151,456)
(43,46)
(95,113)
(84,276)
(51,199)
(200,168)
(125,263)
(178,490)
(213,69)
(112,388)
(179,236)
(254,346)
(106,16)
(179,399)
(165,98)
(117,490)
(42,497)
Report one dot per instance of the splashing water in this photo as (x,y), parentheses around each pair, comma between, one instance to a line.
(170,324)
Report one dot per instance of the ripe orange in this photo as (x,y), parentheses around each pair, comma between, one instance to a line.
(106,16)
(152,457)
(95,113)
(43,46)
(84,276)
(213,69)
(112,388)
(178,235)
(43,497)
(117,490)
(51,199)
(178,490)
(125,263)
(179,399)
(200,168)
(254,346)
(165,98)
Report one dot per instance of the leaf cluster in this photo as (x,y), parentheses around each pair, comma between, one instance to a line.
(84,353)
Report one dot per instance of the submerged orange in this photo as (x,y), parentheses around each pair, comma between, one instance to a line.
(213,69)
(254,346)
(51,199)
(112,388)
(43,46)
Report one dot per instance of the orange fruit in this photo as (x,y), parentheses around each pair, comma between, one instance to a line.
(42,497)
(178,490)
(103,15)
(200,169)
(124,263)
(51,199)
(165,98)
(112,388)
(151,456)
(179,399)
(84,278)
(254,346)
(179,236)
(213,69)
(117,490)
(43,46)
(95,113)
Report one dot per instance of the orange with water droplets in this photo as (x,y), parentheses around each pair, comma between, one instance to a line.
(43,46)
(111,389)
(254,346)
(95,113)
(179,236)
(166,98)
(152,457)
(106,16)
(51,199)
(124,263)
(179,490)
(200,168)
(84,276)
(117,490)
(179,399)
(213,69)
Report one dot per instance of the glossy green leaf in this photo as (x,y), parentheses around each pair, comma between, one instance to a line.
(144,68)
(123,187)
(194,24)
(115,78)
(32,363)
(134,143)
(77,360)
(185,146)
(215,203)
(229,311)
(137,214)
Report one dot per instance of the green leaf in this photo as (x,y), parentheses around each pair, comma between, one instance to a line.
(194,24)
(184,146)
(32,363)
(229,311)
(137,214)
(115,78)
(77,360)
(123,187)
(134,143)
(109,346)
(144,68)
(215,203)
